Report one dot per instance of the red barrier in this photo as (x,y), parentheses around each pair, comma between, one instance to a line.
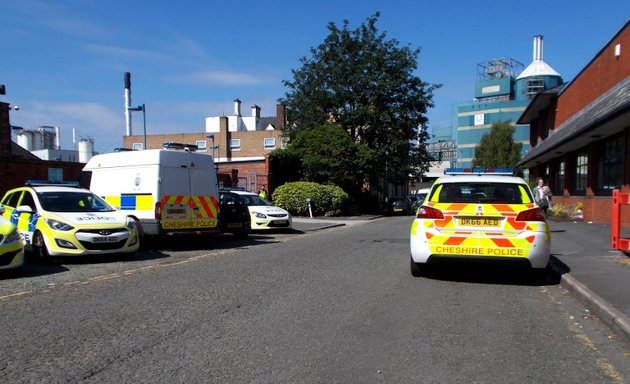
(619,198)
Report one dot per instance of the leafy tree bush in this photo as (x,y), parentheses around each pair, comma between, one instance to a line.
(367,84)
(326,200)
(498,148)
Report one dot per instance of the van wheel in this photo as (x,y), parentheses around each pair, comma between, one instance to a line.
(39,247)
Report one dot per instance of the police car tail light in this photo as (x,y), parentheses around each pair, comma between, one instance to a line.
(158,211)
(535,214)
(425,212)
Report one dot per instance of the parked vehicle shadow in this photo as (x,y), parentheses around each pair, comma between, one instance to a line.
(227,241)
(32,268)
(491,274)
(109,258)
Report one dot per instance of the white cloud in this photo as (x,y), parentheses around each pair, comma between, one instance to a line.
(123,52)
(219,78)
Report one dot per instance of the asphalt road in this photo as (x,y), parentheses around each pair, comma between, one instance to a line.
(330,306)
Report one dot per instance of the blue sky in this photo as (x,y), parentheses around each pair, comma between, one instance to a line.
(63,61)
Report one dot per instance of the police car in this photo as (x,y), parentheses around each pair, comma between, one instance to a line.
(479,214)
(68,221)
(264,215)
(11,245)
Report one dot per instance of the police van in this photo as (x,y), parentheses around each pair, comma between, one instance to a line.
(168,191)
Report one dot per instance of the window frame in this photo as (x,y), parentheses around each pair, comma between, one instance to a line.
(269,147)
(235,144)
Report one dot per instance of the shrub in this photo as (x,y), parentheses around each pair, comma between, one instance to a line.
(564,211)
(326,200)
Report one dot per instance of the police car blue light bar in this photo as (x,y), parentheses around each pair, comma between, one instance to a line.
(52,182)
(479,171)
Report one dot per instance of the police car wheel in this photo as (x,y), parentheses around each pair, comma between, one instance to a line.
(416,269)
(39,247)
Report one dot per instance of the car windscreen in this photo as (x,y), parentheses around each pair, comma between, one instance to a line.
(481,192)
(72,202)
(251,200)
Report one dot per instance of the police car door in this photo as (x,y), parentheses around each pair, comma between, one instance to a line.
(24,218)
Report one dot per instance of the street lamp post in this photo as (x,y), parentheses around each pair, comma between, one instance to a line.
(142,108)
(213,147)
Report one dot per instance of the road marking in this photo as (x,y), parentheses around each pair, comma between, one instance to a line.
(114,275)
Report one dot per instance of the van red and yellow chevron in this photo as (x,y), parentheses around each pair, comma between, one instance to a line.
(208,205)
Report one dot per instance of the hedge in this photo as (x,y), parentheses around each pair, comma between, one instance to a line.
(326,200)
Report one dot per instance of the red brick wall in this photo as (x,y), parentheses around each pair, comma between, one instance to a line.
(5,131)
(596,209)
(15,172)
(604,72)
(244,169)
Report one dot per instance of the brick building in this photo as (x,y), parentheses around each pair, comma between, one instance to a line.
(580,133)
(18,165)
(240,144)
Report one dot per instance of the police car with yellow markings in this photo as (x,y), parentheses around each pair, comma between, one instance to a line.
(68,221)
(11,244)
(479,214)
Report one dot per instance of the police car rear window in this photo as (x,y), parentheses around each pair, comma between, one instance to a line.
(476,192)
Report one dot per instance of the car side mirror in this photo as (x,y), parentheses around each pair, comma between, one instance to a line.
(24,208)
(1,209)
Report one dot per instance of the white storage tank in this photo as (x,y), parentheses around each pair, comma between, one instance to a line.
(86,150)
(25,140)
(37,141)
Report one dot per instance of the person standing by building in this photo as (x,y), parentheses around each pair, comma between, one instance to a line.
(542,196)
(263,192)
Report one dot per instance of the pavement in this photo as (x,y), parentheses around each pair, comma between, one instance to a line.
(581,255)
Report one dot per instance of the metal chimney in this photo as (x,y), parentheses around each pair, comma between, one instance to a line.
(237,107)
(128,103)
(538,48)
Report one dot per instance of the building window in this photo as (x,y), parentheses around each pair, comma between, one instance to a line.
(235,144)
(137,146)
(202,145)
(581,172)
(270,143)
(609,166)
(560,179)
(534,85)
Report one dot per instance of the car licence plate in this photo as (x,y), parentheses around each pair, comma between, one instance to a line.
(105,239)
(479,222)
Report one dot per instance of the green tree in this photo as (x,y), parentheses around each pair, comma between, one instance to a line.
(497,148)
(365,84)
(327,156)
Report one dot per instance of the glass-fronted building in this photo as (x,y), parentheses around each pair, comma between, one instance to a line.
(502,92)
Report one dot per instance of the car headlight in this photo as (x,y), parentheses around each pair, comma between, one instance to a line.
(15,235)
(58,225)
(260,215)
(131,224)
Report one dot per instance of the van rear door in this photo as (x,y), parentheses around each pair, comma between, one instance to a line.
(188,201)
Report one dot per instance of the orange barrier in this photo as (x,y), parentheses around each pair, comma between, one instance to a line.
(619,198)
